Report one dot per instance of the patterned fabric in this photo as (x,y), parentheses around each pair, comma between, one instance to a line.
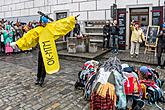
(86,77)
(88,87)
(112,63)
(88,70)
(8,35)
(101,103)
(119,89)
(110,72)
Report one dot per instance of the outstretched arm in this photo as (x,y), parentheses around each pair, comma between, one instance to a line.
(29,40)
(61,27)
(56,29)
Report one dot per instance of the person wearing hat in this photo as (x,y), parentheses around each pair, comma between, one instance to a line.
(41,72)
(136,38)
(153,83)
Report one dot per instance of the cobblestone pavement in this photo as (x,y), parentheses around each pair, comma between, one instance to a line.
(148,58)
(18,92)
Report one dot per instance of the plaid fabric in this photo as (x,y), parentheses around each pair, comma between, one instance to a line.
(99,103)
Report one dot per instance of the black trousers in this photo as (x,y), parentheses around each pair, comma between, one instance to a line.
(104,41)
(41,73)
(2,46)
(160,50)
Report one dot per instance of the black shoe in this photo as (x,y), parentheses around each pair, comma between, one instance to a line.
(79,85)
(37,82)
(139,104)
(137,56)
(41,82)
(162,100)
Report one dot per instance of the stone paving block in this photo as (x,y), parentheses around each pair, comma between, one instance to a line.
(29,109)
(21,108)
(22,105)
(53,98)
(37,107)
(55,105)
(49,108)
(1,103)
(69,107)
(8,108)
(65,91)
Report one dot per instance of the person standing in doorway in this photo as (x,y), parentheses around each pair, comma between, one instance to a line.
(115,33)
(136,38)
(106,35)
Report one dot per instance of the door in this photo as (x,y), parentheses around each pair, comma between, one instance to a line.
(141,16)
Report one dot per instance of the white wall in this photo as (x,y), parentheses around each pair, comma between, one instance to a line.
(89,9)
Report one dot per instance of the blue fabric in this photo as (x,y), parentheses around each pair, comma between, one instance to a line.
(163,26)
(128,69)
(145,70)
(115,43)
(119,89)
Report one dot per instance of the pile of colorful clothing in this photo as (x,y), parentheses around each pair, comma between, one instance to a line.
(118,86)
(108,87)
(152,85)
(86,77)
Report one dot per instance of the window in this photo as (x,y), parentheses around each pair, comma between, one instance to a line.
(61,15)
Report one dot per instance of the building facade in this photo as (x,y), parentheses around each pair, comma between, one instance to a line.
(147,12)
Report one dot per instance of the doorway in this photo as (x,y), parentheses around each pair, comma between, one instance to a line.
(140,15)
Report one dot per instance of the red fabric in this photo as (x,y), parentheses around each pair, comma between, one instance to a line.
(129,86)
(87,65)
(99,103)
(137,23)
(148,83)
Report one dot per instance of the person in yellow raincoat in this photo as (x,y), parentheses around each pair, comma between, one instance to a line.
(41,72)
(45,35)
(136,38)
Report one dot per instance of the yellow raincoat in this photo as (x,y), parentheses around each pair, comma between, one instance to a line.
(137,35)
(46,37)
